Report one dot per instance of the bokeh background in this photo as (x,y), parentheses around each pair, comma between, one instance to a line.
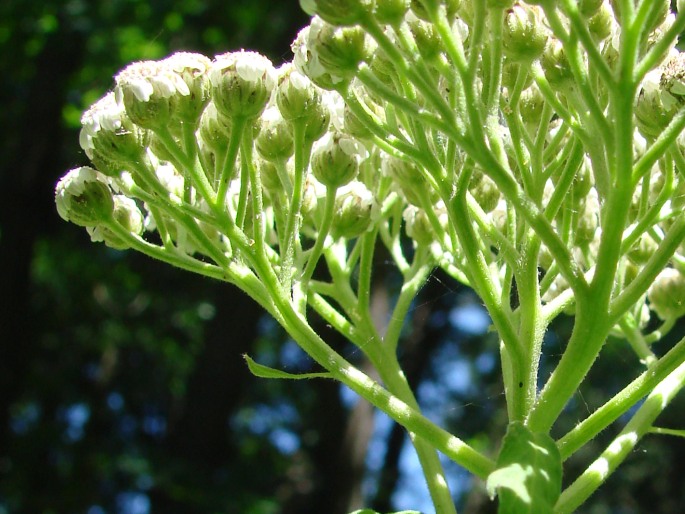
(122,384)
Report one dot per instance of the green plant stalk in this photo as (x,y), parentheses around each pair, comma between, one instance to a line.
(623,444)
(344,372)
(227,166)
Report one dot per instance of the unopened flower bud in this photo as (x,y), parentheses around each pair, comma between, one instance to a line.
(353,210)
(299,100)
(193,69)
(275,140)
(418,226)
(407,176)
(588,219)
(84,197)
(109,138)
(661,96)
(427,39)
(242,83)
(524,36)
(486,193)
(643,249)
(127,214)
(451,6)
(391,12)
(589,8)
(307,61)
(336,158)
(145,89)
(339,12)
(602,24)
(667,294)
(340,50)
(215,128)
(531,103)
(556,66)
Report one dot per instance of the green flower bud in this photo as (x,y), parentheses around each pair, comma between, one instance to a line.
(109,138)
(336,158)
(556,66)
(417,226)
(486,193)
(584,181)
(391,12)
(427,39)
(666,295)
(215,128)
(452,7)
(531,104)
(340,50)
(353,211)
(271,180)
(661,96)
(127,214)
(588,219)
(84,197)
(524,36)
(602,25)
(275,140)
(241,83)
(589,8)
(643,249)
(298,99)
(339,12)
(407,176)
(193,69)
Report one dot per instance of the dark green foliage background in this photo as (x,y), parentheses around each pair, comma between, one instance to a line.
(122,377)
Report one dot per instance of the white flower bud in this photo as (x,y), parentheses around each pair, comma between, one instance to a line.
(145,89)
(307,61)
(241,83)
(83,196)
(193,69)
(109,138)
(667,294)
(336,158)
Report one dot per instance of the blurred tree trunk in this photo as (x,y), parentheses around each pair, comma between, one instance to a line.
(32,121)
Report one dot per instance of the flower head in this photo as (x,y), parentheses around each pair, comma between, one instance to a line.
(242,83)
(83,196)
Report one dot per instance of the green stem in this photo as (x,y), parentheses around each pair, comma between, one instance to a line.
(623,444)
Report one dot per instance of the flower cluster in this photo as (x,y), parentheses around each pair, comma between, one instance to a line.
(530,150)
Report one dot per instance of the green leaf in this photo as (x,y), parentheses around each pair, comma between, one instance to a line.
(261,371)
(528,474)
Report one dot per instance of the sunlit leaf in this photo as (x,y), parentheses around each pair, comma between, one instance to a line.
(262,371)
(528,475)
